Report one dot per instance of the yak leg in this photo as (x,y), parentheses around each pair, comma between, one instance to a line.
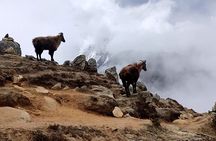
(124,82)
(51,53)
(38,53)
(41,51)
(127,89)
(134,87)
(37,56)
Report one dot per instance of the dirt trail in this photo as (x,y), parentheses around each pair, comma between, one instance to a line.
(69,114)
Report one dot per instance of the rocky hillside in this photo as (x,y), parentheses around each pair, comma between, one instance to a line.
(44,101)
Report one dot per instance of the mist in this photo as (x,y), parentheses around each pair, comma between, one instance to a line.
(175,37)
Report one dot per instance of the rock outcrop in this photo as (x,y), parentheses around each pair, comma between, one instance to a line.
(81,63)
(13,99)
(112,74)
(86,99)
(101,104)
(9,46)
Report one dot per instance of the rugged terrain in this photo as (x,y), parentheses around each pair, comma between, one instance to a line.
(44,101)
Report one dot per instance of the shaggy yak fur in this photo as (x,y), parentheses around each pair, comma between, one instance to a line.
(50,43)
(130,74)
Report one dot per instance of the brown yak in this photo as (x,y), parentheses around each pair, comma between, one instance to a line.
(50,43)
(130,74)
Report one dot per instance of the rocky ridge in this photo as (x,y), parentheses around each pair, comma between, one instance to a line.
(69,99)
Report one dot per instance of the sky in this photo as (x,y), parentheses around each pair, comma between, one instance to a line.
(176,37)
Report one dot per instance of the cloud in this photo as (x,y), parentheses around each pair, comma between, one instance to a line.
(176,38)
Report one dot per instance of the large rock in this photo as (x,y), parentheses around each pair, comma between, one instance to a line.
(101,104)
(100,90)
(92,65)
(168,114)
(79,62)
(13,99)
(117,112)
(11,115)
(112,74)
(50,104)
(146,105)
(9,46)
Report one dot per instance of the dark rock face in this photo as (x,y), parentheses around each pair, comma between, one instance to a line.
(13,99)
(92,65)
(66,63)
(79,62)
(101,104)
(112,74)
(9,46)
(168,114)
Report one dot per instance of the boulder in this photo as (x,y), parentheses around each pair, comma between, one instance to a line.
(112,74)
(92,65)
(101,90)
(168,114)
(13,99)
(50,104)
(117,112)
(11,115)
(9,46)
(100,104)
(79,62)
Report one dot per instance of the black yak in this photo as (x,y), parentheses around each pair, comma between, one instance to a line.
(50,43)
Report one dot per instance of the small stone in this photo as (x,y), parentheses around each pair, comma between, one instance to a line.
(57,86)
(30,57)
(83,89)
(41,90)
(19,88)
(66,88)
(50,104)
(17,79)
(117,112)
(127,115)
